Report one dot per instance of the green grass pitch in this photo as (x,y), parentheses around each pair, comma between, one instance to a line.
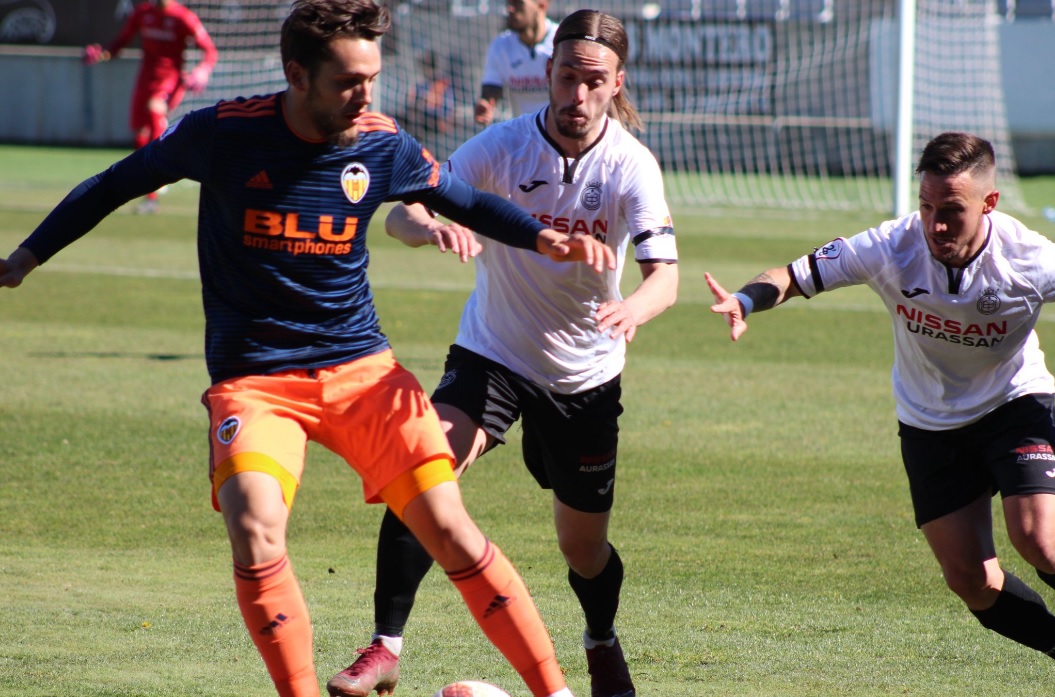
(761,508)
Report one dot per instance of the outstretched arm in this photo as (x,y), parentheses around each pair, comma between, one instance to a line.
(414,226)
(764,291)
(657,292)
(97,53)
(496,218)
(197,79)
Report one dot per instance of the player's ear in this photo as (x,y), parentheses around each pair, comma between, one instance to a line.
(990,201)
(619,78)
(297,76)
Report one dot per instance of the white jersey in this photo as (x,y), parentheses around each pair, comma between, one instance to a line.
(964,341)
(520,69)
(534,315)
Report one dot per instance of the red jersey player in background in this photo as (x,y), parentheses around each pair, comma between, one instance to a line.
(164,28)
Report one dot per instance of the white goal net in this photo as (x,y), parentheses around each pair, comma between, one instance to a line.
(746,103)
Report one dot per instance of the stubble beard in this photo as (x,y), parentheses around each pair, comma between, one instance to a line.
(332,126)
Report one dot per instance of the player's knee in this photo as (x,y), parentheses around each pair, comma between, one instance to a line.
(585,556)
(972,585)
(1036,549)
(449,535)
(255,539)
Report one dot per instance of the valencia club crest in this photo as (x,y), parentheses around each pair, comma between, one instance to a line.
(355,180)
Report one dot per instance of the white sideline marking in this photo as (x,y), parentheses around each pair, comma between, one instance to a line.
(193,276)
(1046,316)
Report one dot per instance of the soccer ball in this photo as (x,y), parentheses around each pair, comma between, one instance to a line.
(470,688)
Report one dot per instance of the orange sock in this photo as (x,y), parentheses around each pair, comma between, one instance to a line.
(502,606)
(277,618)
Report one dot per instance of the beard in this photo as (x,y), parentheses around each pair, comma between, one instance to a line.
(334,127)
(574,130)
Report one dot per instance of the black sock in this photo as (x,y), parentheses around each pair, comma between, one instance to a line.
(1046,578)
(402,564)
(1020,614)
(599,597)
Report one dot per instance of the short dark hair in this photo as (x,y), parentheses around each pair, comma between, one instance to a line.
(313,24)
(604,29)
(954,152)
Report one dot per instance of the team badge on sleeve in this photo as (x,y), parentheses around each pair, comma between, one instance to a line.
(832,250)
(355,180)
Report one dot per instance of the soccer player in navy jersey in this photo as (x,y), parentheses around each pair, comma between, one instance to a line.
(289,183)
(964,285)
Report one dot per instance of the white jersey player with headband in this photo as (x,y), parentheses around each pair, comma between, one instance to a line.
(543,347)
(962,336)
(533,316)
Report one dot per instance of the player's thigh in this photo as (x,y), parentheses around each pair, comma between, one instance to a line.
(477,402)
(571,443)
(175,97)
(1030,521)
(380,420)
(946,471)
(260,424)
(962,541)
(1021,446)
(467,439)
(438,519)
(139,115)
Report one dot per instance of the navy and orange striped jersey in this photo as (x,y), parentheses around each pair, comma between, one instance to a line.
(281,227)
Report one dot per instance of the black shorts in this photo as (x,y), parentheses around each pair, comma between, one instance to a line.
(1008,450)
(569,440)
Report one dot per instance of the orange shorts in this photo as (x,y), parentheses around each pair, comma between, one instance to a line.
(371,411)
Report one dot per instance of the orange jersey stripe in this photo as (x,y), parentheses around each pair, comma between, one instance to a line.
(373,121)
(248,109)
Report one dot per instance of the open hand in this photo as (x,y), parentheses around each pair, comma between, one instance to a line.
(617,316)
(728,306)
(94,53)
(197,79)
(457,238)
(577,247)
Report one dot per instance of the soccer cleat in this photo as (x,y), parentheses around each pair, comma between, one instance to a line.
(609,676)
(377,668)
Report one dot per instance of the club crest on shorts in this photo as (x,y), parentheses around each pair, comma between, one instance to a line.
(227,430)
(447,379)
(355,180)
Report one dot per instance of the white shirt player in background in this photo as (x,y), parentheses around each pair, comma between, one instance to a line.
(543,345)
(964,285)
(516,61)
